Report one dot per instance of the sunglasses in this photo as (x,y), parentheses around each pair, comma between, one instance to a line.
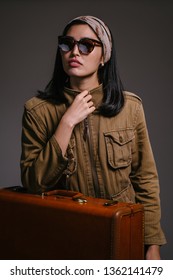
(85,45)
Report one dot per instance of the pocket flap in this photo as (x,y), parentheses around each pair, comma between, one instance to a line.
(121,136)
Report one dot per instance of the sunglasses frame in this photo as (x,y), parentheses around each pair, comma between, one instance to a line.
(75,42)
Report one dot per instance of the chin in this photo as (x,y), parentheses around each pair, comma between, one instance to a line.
(75,73)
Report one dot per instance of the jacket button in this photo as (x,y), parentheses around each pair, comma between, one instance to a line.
(121,139)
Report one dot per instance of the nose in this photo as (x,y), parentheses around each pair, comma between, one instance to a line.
(75,50)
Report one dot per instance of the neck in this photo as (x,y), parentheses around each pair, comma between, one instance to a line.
(81,84)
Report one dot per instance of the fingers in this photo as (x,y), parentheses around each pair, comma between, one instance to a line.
(90,104)
(81,107)
(85,97)
(83,94)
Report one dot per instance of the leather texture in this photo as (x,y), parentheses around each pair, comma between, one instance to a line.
(67,225)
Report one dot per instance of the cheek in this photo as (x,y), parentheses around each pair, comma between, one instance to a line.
(97,57)
(94,62)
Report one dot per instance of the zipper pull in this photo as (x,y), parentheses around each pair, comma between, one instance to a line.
(85,129)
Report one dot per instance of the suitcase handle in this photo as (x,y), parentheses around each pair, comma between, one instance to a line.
(76,196)
(66,193)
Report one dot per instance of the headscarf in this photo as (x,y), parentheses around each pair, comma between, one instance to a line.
(102,32)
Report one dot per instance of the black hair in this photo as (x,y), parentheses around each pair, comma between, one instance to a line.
(113,98)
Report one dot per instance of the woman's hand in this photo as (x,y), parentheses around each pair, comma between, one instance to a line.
(153,252)
(81,107)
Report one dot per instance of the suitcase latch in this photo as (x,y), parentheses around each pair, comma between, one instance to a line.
(110,203)
(80,199)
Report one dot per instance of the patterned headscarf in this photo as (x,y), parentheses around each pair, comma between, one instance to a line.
(102,32)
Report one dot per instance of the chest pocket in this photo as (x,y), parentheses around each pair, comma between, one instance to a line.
(119,147)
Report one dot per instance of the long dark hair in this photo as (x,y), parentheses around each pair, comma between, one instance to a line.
(113,98)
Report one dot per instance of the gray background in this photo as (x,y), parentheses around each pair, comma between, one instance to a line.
(143,35)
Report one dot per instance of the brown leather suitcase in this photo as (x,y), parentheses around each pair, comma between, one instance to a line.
(67,225)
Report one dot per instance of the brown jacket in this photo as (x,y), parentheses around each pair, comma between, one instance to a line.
(106,157)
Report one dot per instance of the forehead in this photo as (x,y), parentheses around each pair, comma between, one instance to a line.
(78,31)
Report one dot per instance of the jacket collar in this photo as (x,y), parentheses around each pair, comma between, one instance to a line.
(97,95)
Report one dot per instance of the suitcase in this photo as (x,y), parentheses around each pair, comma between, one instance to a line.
(65,225)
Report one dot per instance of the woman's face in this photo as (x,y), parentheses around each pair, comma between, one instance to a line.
(77,65)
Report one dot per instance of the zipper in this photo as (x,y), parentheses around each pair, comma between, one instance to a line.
(87,137)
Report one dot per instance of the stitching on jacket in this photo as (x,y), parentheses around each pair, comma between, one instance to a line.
(136,115)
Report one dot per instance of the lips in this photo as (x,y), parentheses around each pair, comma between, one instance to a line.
(74,63)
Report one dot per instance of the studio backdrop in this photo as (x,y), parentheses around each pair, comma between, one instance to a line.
(143,36)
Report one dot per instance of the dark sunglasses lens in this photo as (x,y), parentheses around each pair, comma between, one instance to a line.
(86,46)
(66,44)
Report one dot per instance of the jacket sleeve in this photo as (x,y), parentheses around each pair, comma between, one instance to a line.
(145,180)
(42,163)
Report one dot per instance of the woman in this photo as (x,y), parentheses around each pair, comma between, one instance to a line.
(86,134)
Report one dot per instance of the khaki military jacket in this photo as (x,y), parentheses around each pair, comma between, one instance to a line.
(106,157)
